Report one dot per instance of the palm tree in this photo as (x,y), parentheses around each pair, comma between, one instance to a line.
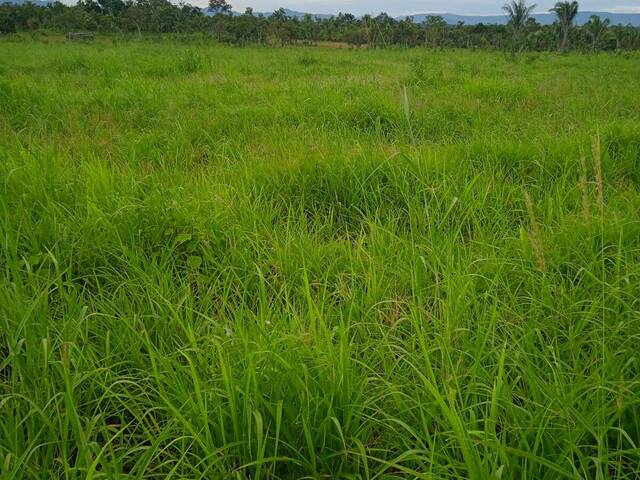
(566,13)
(518,13)
(366,22)
(219,7)
(596,28)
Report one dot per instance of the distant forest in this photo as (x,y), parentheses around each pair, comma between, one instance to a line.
(218,22)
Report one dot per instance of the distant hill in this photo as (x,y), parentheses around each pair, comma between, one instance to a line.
(542,18)
(293,13)
(453,19)
(288,13)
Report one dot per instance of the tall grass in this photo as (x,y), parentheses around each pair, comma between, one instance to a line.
(231,263)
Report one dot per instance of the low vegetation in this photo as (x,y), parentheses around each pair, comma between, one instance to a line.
(311,263)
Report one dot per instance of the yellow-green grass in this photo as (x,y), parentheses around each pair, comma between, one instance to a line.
(317,263)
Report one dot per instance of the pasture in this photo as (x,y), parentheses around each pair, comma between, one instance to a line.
(303,262)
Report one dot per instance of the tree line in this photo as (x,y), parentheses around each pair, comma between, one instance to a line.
(522,32)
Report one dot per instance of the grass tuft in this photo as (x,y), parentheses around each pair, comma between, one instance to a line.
(301,262)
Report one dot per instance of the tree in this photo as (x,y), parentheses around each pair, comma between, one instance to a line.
(566,13)
(356,37)
(405,32)
(596,28)
(113,7)
(219,7)
(7,18)
(280,26)
(435,27)
(279,15)
(518,13)
(367,21)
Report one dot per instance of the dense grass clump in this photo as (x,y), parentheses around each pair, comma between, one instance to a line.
(255,263)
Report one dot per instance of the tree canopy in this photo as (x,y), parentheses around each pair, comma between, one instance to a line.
(223,25)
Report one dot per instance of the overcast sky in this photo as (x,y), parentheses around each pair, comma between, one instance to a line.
(402,7)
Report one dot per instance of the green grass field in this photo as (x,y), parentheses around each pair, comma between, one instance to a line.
(316,263)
